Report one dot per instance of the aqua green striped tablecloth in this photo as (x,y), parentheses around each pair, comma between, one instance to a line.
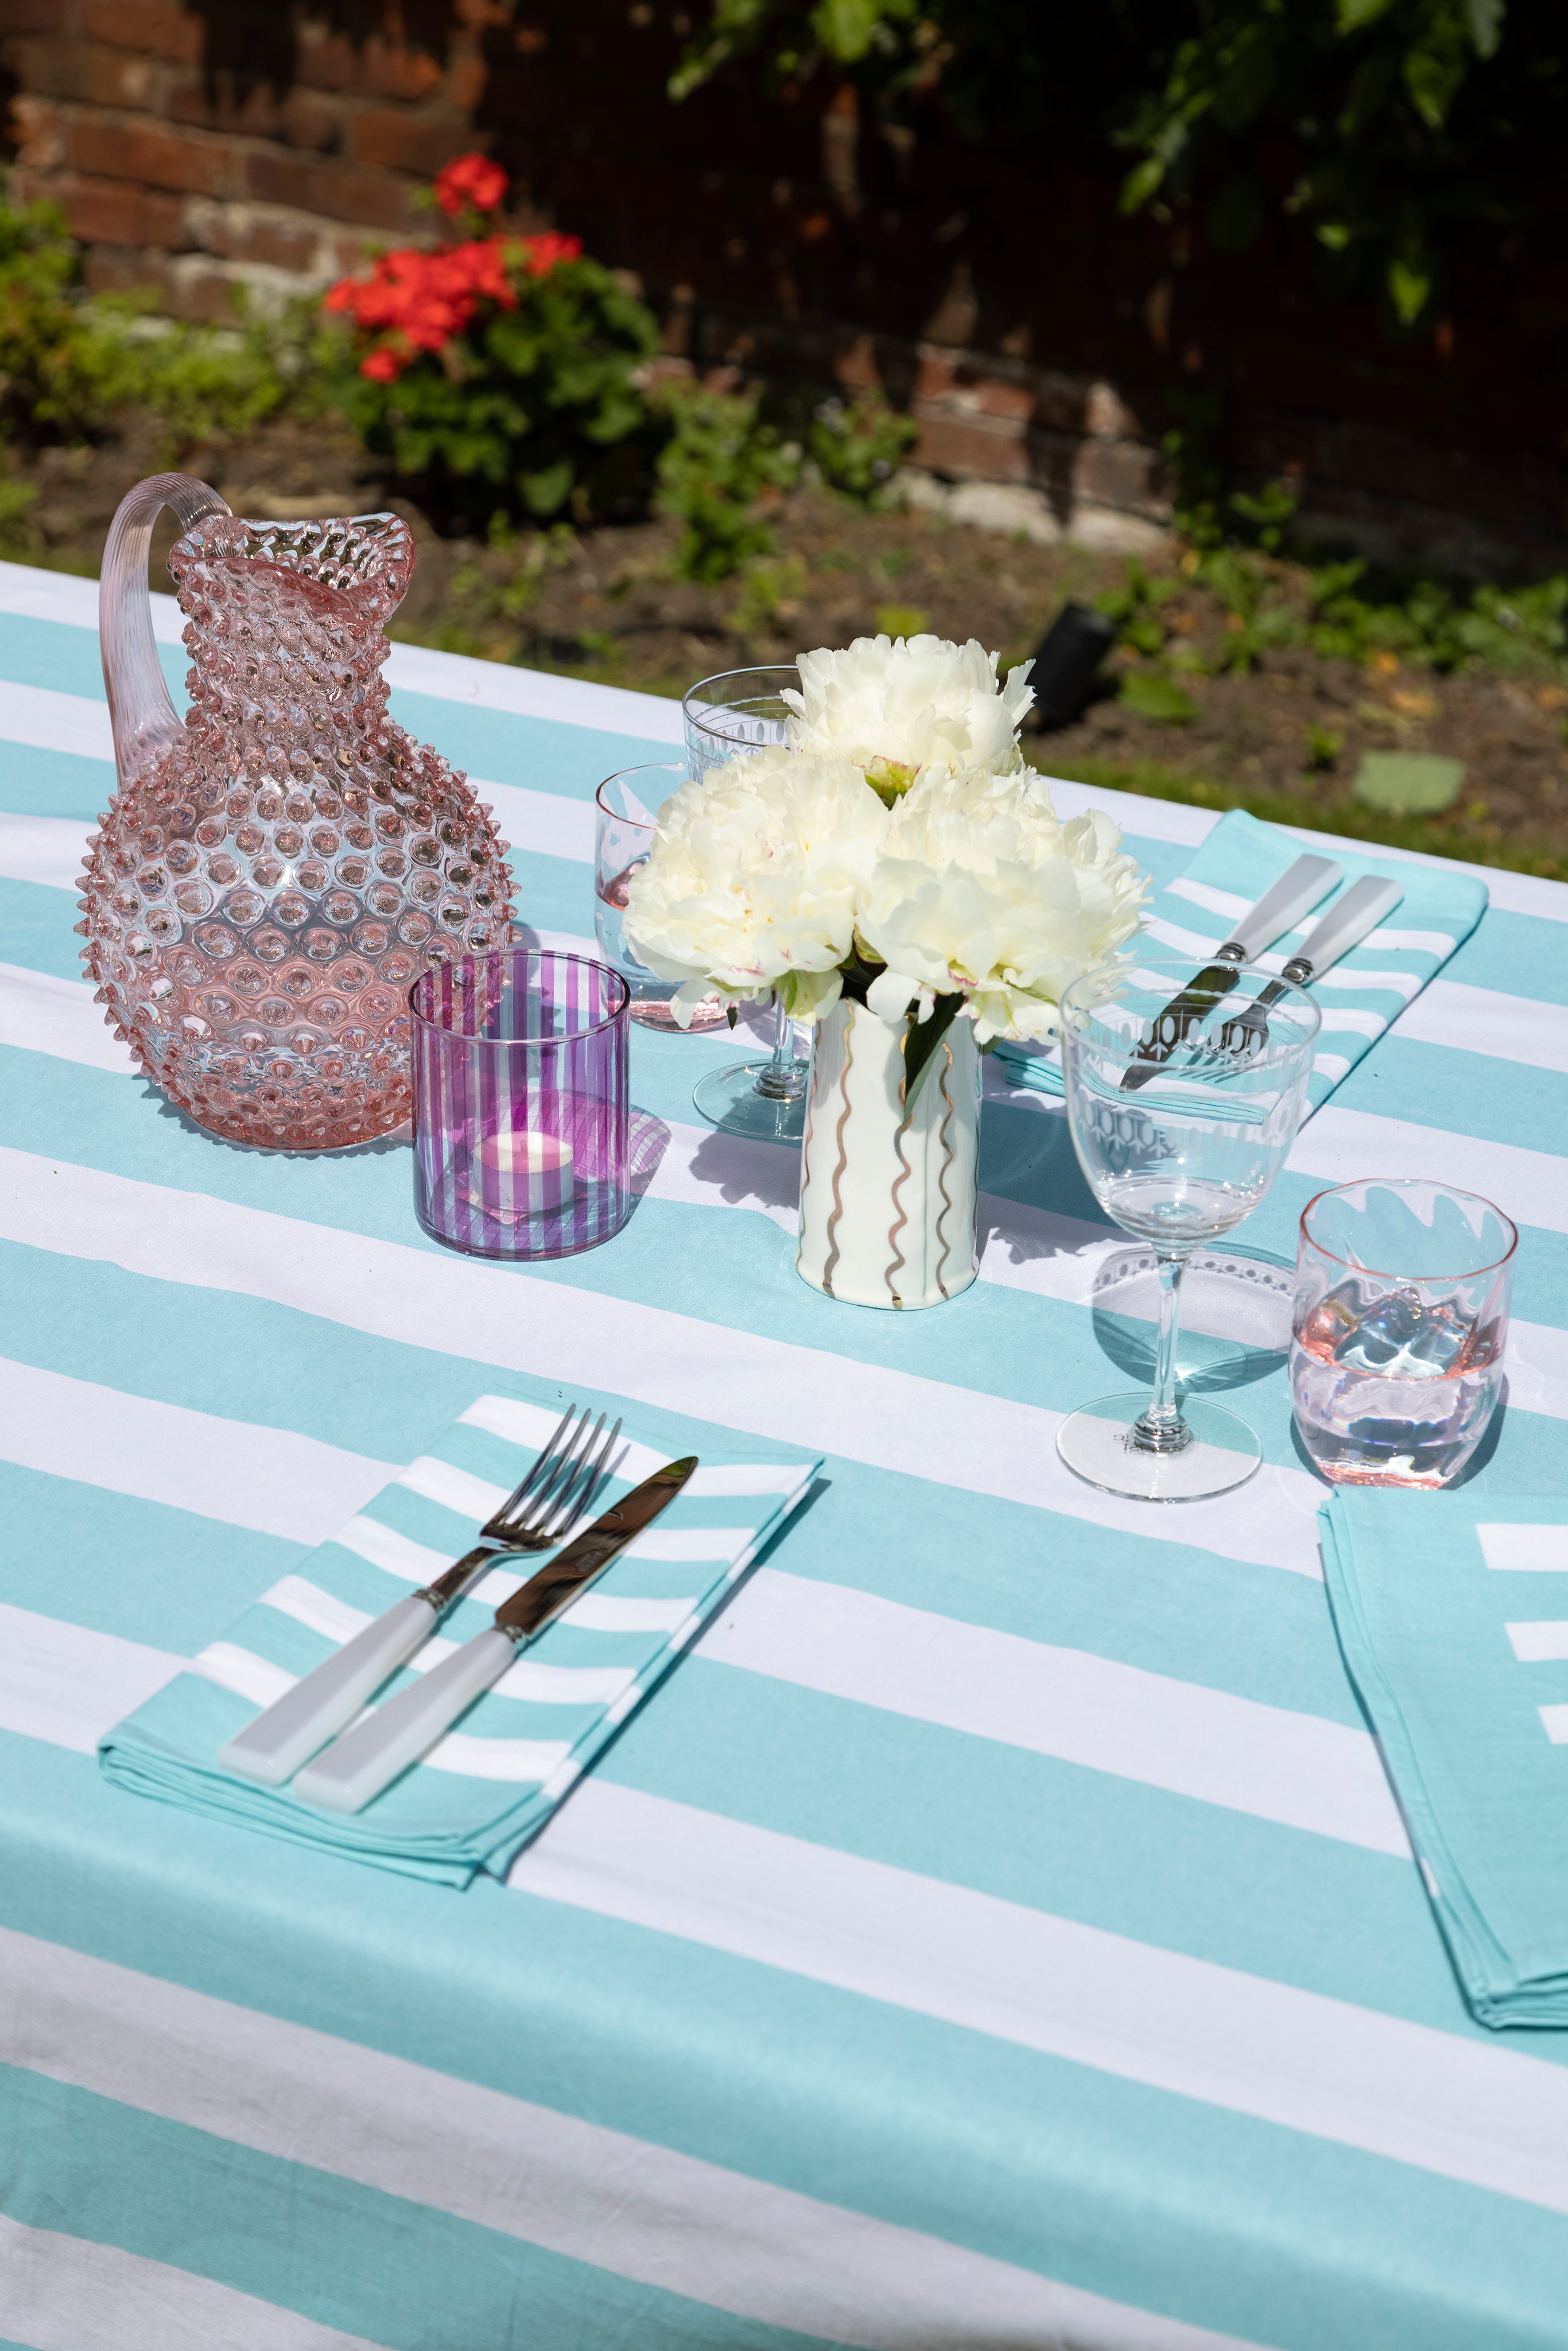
(997,1935)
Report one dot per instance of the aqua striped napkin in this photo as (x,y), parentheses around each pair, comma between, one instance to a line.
(1361,996)
(492,1782)
(1452,1614)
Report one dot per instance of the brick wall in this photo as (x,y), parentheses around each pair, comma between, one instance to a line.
(994,291)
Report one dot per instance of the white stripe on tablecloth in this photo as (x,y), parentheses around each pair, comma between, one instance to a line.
(1543,1642)
(1484,1020)
(823,1402)
(51,721)
(61,2292)
(1268,1761)
(1341,1145)
(595,2195)
(68,1686)
(533,1424)
(386,1547)
(1274,1762)
(270,1479)
(1494,2117)
(545,824)
(472,1500)
(1523,1550)
(46,849)
(46,1015)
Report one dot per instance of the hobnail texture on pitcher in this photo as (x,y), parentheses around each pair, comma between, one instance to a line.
(274,872)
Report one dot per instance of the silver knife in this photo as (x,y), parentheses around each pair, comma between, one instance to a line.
(1279,910)
(370,1756)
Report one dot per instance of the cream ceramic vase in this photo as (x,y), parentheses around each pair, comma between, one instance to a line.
(887,1190)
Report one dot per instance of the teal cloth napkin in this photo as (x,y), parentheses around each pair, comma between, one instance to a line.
(1360,997)
(1452,1614)
(492,1782)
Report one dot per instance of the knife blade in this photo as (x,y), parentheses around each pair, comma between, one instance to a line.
(370,1756)
(1279,910)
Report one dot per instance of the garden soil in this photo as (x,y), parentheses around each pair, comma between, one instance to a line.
(603,603)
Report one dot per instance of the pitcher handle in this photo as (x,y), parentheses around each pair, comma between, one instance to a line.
(142,715)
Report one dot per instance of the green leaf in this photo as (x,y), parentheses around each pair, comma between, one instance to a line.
(1355,16)
(1152,694)
(1483,22)
(548,492)
(921,1043)
(1433,72)
(1409,289)
(1411,783)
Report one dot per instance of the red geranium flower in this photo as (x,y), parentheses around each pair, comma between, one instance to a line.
(472,180)
(416,301)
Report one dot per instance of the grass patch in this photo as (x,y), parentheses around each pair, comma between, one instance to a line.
(1378,827)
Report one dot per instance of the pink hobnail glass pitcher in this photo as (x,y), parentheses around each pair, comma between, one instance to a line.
(276,869)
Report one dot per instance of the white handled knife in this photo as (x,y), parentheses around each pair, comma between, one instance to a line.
(1279,910)
(370,1756)
(1345,926)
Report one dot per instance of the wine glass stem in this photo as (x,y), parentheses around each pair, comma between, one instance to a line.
(1160,1428)
(778,1077)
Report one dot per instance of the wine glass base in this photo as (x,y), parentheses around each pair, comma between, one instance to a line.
(1095,1442)
(732,1098)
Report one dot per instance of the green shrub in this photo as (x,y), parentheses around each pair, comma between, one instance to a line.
(721,458)
(859,448)
(530,410)
(68,365)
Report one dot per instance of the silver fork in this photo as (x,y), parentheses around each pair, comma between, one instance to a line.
(539,1514)
(1348,921)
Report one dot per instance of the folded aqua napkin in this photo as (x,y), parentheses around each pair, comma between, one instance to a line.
(1363,994)
(490,1784)
(1452,1614)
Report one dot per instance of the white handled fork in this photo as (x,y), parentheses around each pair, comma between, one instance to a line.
(544,1509)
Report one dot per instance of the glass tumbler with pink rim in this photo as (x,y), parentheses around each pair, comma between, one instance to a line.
(1399,1328)
(626,812)
(521,1111)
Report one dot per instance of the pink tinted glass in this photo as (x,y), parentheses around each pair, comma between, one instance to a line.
(520,1103)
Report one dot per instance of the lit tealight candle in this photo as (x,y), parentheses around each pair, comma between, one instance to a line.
(534,1169)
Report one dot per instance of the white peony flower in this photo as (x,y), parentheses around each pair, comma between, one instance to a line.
(981,890)
(755,879)
(910,708)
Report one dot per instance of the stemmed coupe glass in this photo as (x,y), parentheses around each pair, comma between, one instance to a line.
(726,716)
(1182,1108)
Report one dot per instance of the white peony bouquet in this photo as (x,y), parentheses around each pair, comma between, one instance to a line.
(909,707)
(897,850)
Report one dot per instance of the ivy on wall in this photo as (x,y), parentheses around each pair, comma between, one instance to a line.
(1388,135)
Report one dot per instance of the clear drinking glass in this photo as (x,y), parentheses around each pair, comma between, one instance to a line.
(1399,1328)
(742,710)
(1179,1142)
(626,812)
(520,1103)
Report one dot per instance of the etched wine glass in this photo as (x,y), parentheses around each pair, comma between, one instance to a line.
(1181,1124)
(726,716)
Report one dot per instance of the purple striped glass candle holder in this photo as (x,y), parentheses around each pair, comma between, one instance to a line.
(520,1103)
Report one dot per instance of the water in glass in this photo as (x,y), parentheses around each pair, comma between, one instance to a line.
(1395,1373)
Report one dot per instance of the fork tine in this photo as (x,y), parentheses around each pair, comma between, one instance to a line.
(564,1466)
(498,1518)
(593,1470)
(561,1504)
